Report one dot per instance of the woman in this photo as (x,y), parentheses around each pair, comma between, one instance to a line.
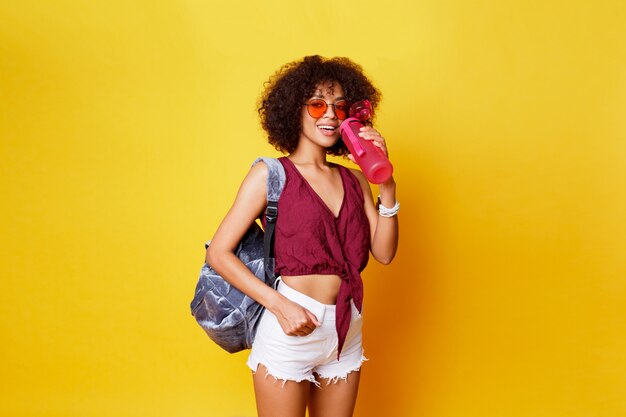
(308,350)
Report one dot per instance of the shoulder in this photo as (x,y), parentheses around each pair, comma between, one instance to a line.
(360,180)
(360,177)
(258,172)
(254,183)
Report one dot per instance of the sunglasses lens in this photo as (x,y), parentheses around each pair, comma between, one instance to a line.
(341,109)
(317,108)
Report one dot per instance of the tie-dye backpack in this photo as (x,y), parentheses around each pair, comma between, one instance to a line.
(228,316)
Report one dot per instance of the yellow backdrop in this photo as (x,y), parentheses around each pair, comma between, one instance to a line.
(127,126)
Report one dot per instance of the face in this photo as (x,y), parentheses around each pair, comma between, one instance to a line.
(324,130)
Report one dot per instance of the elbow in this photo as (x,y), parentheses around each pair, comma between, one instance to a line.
(217,257)
(385,259)
(211,257)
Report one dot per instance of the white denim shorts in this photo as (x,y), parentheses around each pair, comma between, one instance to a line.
(297,358)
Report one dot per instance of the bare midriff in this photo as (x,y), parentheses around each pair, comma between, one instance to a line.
(323,288)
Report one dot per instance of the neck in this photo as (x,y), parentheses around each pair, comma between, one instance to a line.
(308,153)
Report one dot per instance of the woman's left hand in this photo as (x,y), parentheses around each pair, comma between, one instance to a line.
(373,135)
(369,133)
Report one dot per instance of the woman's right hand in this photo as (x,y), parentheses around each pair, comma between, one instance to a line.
(294,319)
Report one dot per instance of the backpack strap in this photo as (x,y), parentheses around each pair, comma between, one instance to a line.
(275,183)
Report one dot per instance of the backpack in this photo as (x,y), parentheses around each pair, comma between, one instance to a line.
(227,315)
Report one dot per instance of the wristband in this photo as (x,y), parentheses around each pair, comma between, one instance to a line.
(387,212)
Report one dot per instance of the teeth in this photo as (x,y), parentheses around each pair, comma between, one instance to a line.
(326,127)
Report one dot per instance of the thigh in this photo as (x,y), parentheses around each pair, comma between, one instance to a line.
(334,397)
(279,398)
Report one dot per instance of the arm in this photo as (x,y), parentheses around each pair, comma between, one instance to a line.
(249,203)
(384,230)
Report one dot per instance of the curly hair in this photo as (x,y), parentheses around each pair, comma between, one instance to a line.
(287,90)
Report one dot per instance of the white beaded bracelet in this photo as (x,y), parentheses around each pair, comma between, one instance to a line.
(388,212)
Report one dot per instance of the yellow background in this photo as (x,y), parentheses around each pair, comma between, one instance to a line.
(127,126)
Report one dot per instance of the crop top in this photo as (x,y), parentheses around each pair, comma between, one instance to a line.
(309,239)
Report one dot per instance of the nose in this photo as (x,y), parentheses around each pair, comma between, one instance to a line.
(330,114)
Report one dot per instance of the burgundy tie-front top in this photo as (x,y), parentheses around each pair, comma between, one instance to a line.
(309,239)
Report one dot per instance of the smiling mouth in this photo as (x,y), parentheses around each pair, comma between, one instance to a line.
(327,129)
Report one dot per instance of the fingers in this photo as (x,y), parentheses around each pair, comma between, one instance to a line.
(302,327)
(369,133)
(299,321)
(313,318)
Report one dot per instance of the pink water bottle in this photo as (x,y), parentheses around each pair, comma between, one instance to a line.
(368,156)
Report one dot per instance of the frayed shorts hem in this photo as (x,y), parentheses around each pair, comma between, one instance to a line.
(330,379)
(333,379)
